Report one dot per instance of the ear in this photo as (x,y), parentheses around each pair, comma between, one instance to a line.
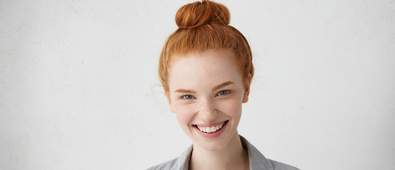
(169,102)
(247,85)
(171,108)
(245,96)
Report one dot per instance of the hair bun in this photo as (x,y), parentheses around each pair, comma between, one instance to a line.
(195,14)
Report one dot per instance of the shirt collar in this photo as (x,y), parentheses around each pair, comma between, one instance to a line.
(256,159)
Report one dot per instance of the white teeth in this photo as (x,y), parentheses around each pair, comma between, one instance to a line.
(211,128)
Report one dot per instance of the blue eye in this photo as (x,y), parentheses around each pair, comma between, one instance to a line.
(187,97)
(223,92)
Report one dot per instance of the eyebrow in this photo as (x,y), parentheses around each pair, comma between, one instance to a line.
(227,83)
(184,91)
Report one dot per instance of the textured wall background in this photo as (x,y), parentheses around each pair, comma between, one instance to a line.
(78,84)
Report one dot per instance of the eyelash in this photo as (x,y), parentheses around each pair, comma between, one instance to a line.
(227,92)
(183,97)
(191,97)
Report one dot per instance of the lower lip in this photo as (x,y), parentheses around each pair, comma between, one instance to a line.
(212,135)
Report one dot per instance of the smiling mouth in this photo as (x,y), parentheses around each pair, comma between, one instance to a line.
(211,129)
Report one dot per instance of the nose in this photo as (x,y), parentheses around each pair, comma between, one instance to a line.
(207,111)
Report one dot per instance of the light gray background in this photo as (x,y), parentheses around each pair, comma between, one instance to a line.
(79,89)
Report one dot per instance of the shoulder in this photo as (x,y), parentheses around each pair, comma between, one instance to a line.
(281,166)
(168,165)
(181,162)
(258,161)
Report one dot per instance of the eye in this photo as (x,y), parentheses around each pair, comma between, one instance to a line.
(187,97)
(223,92)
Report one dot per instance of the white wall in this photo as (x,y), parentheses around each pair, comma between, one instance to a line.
(78,84)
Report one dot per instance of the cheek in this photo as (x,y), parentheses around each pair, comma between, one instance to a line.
(183,119)
(184,114)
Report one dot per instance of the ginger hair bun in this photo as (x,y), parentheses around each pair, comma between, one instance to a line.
(199,13)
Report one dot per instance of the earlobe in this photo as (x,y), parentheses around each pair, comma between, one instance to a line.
(247,89)
(171,108)
(169,102)
(245,96)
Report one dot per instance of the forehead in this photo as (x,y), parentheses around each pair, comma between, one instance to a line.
(203,69)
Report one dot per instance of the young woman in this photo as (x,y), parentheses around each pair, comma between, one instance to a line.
(206,71)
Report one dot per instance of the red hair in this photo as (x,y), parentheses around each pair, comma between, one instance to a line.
(203,26)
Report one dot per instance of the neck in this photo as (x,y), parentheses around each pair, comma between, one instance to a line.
(231,157)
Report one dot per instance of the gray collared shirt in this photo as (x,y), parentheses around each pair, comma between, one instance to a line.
(256,159)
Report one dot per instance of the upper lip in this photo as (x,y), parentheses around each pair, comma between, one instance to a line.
(209,124)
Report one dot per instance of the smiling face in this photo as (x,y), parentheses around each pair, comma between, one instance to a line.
(206,92)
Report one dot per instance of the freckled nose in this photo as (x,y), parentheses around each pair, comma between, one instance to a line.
(207,110)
